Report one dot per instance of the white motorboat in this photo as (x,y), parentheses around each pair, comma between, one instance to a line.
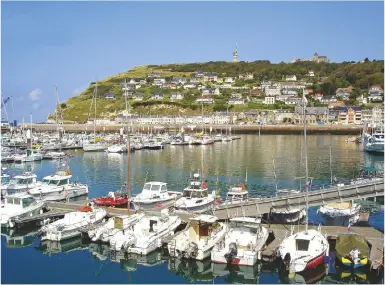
(94,147)
(340,214)
(117,148)
(147,235)
(54,155)
(197,240)
(22,183)
(207,140)
(374,142)
(242,244)
(58,187)
(19,206)
(105,231)
(5,179)
(28,156)
(237,194)
(155,195)
(70,225)
(195,197)
(288,215)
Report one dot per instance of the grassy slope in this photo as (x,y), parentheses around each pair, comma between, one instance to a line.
(337,75)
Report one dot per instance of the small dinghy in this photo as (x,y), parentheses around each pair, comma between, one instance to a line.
(113,199)
(70,225)
(337,214)
(352,250)
(105,231)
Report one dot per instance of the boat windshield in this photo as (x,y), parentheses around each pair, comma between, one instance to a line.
(28,202)
(55,182)
(24,181)
(13,201)
(302,244)
(236,197)
(195,194)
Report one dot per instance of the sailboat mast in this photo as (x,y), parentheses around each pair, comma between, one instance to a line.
(96,93)
(330,164)
(275,177)
(129,167)
(306,166)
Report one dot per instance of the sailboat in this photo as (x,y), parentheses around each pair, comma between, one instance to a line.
(93,145)
(306,249)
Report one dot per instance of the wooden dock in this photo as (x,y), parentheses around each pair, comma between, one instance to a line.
(374,237)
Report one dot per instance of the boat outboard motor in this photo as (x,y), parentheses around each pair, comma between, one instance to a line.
(286,260)
(232,253)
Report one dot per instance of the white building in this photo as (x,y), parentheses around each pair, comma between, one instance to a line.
(269,100)
(291,78)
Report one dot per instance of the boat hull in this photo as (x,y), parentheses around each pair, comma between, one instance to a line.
(148,205)
(60,194)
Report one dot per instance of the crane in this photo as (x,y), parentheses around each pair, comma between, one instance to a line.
(3,102)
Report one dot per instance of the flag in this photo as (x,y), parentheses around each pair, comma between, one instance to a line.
(307,184)
(349,226)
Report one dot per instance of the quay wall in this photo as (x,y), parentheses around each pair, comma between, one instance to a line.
(235,129)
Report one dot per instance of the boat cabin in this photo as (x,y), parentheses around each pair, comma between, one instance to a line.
(287,192)
(19,201)
(237,193)
(58,179)
(153,188)
(196,189)
(202,227)
(24,180)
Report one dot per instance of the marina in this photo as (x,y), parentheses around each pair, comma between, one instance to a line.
(257,203)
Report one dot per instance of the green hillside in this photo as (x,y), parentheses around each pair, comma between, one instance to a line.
(328,77)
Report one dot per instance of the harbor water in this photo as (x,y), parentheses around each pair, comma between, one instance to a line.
(25,259)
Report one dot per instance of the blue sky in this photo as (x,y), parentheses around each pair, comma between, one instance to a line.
(70,44)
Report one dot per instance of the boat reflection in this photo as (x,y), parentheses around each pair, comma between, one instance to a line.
(309,276)
(128,262)
(54,247)
(193,270)
(18,238)
(238,274)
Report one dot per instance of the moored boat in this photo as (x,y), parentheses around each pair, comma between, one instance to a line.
(352,250)
(113,199)
(340,214)
(197,240)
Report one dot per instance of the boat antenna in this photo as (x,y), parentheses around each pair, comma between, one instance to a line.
(307,183)
(128,168)
(330,163)
(246,176)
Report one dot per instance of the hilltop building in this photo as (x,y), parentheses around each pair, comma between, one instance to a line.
(316,58)
(235,54)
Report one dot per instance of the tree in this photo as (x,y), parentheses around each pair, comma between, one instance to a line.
(63,105)
(366,59)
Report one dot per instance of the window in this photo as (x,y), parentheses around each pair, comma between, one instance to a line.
(155,187)
(28,201)
(302,244)
(63,182)
(164,188)
(4,180)
(187,193)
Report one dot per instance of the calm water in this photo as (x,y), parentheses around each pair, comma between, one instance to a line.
(76,262)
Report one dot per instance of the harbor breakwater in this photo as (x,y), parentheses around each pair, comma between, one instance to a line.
(235,129)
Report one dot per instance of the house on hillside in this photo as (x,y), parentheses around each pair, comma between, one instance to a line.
(376,94)
(210,77)
(109,96)
(269,100)
(291,78)
(159,81)
(176,96)
(157,96)
(344,93)
(236,99)
(229,79)
(293,100)
(137,96)
(210,91)
(154,75)
(246,76)
(255,92)
(311,73)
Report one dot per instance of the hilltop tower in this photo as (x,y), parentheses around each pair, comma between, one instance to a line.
(235,54)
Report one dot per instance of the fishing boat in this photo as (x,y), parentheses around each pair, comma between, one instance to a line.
(243,242)
(195,197)
(57,187)
(197,240)
(340,214)
(352,250)
(155,195)
(54,155)
(22,183)
(70,225)
(19,206)
(113,199)
(105,231)
(305,249)
(207,140)
(146,235)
